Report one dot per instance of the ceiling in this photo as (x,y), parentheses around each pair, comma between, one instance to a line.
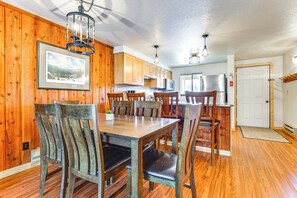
(246,28)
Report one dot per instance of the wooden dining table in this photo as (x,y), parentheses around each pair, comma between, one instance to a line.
(134,132)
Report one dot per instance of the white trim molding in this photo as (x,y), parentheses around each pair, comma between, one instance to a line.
(18,169)
(202,149)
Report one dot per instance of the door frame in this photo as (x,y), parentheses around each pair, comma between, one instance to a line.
(271,89)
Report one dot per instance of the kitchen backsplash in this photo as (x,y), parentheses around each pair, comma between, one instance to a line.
(125,88)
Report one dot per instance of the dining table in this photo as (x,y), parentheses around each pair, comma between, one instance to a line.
(134,132)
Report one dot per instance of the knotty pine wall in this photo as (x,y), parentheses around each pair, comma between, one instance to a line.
(19,31)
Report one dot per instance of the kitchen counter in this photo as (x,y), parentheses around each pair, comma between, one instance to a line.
(224,115)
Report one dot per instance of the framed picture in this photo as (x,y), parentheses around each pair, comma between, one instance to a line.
(60,69)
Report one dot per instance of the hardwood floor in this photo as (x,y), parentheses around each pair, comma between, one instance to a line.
(256,169)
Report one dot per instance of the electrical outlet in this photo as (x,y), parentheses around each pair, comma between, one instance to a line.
(25,146)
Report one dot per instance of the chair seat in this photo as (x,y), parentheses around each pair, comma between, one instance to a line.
(114,157)
(208,123)
(159,164)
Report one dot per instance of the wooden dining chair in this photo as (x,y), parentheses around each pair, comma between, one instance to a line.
(169,102)
(136,96)
(208,123)
(170,169)
(87,158)
(147,109)
(122,108)
(51,145)
(114,97)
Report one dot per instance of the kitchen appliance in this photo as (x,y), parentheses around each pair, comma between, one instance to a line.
(218,83)
(169,84)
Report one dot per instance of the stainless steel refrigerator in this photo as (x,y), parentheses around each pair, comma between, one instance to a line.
(218,83)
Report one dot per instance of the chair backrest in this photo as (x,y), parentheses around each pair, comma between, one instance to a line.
(188,140)
(121,108)
(146,109)
(51,143)
(208,101)
(136,96)
(83,144)
(114,97)
(169,103)
(67,101)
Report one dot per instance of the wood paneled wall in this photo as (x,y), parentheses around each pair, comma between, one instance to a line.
(19,33)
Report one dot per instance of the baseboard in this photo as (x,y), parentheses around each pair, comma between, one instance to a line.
(201,148)
(17,169)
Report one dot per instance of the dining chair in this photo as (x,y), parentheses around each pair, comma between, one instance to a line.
(114,97)
(51,145)
(169,102)
(136,96)
(148,109)
(170,169)
(208,123)
(88,159)
(121,108)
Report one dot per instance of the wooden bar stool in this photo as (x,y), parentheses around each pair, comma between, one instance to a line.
(114,96)
(136,96)
(208,123)
(169,106)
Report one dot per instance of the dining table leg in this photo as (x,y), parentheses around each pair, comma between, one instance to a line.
(136,168)
(175,139)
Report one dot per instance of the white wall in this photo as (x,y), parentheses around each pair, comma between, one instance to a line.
(290,90)
(277,62)
(217,68)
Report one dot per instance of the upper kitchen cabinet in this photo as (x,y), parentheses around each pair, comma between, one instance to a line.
(128,70)
(149,70)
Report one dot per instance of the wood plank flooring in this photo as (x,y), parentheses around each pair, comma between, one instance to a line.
(256,169)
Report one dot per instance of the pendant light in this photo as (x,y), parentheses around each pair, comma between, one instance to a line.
(80,31)
(205,50)
(156,60)
(194,59)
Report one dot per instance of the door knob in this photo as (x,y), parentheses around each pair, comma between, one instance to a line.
(267,101)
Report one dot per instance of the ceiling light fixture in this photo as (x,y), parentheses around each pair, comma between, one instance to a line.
(156,60)
(80,31)
(194,59)
(294,59)
(205,50)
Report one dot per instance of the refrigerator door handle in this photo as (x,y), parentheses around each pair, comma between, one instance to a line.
(202,84)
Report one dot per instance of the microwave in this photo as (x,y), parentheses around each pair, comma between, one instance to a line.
(169,84)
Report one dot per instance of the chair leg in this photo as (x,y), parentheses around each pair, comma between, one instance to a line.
(43,175)
(192,183)
(218,139)
(128,191)
(151,186)
(212,147)
(64,180)
(71,184)
(178,191)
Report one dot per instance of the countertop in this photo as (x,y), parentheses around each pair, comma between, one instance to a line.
(218,105)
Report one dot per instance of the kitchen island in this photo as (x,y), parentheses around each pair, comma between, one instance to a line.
(224,115)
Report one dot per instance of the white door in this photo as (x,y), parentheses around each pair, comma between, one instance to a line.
(253,96)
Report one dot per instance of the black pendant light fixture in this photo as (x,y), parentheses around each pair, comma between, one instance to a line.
(156,60)
(205,50)
(80,31)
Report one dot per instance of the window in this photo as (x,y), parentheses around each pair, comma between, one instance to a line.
(190,82)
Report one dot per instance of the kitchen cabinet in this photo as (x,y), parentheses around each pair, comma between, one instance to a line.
(128,70)
(159,81)
(149,70)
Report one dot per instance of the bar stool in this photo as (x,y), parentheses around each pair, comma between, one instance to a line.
(114,96)
(169,106)
(136,96)
(208,122)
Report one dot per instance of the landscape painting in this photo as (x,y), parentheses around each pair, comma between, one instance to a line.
(61,69)
(64,69)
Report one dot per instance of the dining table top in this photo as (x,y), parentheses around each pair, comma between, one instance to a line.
(133,126)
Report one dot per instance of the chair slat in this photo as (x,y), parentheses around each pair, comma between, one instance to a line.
(91,146)
(51,152)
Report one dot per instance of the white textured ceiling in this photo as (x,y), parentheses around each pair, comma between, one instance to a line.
(246,28)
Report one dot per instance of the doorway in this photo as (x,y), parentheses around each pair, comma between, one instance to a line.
(253,96)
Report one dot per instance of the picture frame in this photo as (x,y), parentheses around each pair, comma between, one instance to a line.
(57,68)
